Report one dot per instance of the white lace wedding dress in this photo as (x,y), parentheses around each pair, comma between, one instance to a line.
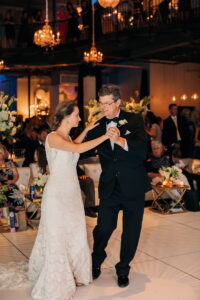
(60,258)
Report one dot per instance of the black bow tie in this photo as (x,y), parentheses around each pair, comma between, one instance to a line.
(116,119)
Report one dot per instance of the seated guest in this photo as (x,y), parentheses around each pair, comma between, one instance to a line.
(87,186)
(158,160)
(10,195)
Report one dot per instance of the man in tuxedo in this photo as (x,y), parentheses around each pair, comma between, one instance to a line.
(176,132)
(123,181)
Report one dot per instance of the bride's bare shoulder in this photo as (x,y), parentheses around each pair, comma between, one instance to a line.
(58,141)
(54,137)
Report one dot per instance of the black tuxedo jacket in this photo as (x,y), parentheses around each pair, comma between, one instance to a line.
(169,131)
(127,166)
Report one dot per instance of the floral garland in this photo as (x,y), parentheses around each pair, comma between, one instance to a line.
(95,113)
(8,129)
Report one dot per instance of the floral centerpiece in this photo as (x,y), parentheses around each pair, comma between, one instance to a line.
(170,175)
(39,182)
(95,113)
(8,129)
(137,107)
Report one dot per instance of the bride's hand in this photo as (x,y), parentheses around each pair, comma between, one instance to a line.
(92,125)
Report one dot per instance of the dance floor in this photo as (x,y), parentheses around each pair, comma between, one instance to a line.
(166,266)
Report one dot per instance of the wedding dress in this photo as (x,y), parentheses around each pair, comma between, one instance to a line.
(60,258)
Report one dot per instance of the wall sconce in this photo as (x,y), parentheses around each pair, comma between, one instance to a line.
(194,96)
(184,97)
(173,98)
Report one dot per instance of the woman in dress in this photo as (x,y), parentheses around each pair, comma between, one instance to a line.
(61,258)
(10,196)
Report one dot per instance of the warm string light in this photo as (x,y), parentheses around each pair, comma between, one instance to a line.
(184,97)
(93,55)
(45,37)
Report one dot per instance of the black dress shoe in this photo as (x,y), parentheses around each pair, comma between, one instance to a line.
(96,272)
(123,281)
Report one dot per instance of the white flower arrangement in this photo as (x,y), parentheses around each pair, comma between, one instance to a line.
(94,111)
(8,129)
(40,180)
(137,107)
(170,173)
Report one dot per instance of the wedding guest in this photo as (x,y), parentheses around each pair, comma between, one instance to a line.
(152,128)
(11,196)
(157,160)
(175,132)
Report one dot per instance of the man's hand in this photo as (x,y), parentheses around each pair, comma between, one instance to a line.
(114,134)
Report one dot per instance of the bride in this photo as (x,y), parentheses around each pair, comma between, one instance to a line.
(60,258)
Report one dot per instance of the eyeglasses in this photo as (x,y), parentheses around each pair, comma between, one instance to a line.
(106,104)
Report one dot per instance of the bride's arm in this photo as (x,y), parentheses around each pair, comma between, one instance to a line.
(59,142)
(83,134)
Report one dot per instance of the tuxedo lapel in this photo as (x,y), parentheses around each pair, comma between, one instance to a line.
(122,128)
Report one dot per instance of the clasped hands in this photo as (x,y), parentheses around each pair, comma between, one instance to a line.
(113,134)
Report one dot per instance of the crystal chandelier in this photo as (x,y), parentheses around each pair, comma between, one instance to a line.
(45,37)
(93,56)
(108,3)
(2,66)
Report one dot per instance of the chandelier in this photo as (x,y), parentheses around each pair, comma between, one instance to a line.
(45,37)
(2,66)
(108,3)
(93,55)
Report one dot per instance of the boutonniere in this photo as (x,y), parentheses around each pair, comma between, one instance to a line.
(122,122)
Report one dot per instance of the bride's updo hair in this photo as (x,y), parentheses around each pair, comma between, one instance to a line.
(63,109)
